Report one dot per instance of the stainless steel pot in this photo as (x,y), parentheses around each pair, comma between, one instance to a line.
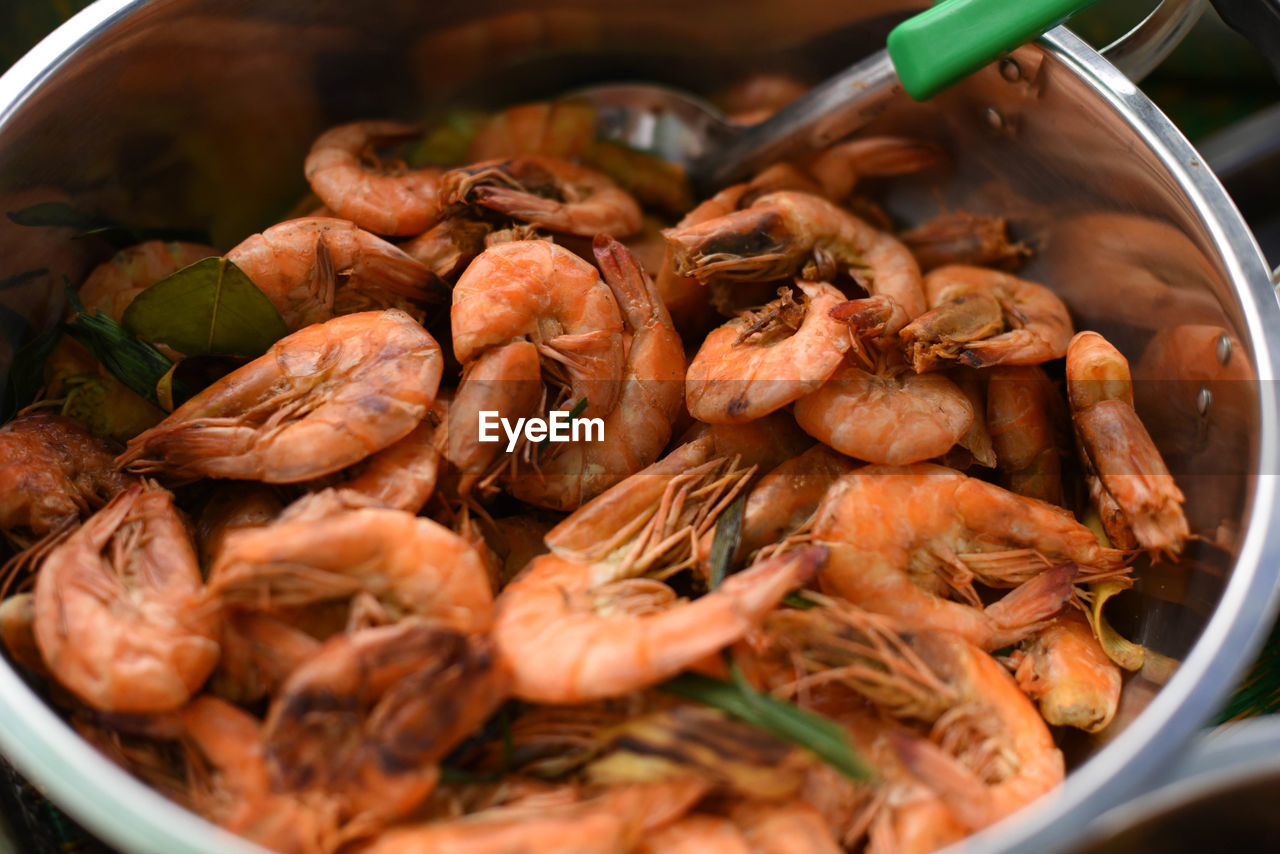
(198,112)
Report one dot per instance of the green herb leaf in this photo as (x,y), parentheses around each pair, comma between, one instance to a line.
(578,408)
(135,363)
(724,545)
(824,737)
(210,306)
(19,279)
(63,215)
(797,599)
(54,215)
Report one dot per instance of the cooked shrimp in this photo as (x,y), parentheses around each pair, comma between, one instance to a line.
(367,719)
(18,632)
(891,416)
(1024,414)
(52,474)
(994,753)
(901,537)
(984,317)
(960,237)
(976,441)
(1065,669)
(614,820)
(258,652)
(785,498)
(1128,479)
(547,192)
(232,506)
(650,392)
(564,129)
(118,617)
(782,232)
(684,296)
(506,380)
(761,361)
(448,246)
(113,284)
(538,291)
(765,442)
(231,784)
(315,268)
(694,834)
(345,172)
(584,654)
(838,168)
(783,828)
(318,401)
(402,476)
(335,544)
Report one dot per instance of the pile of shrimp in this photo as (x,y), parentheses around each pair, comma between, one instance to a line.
(310,603)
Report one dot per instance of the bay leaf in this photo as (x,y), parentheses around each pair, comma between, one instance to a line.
(210,306)
(133,362)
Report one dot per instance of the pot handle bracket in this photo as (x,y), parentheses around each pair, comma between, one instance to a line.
(1137,53)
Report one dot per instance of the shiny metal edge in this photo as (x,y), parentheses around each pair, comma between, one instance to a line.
(52,755)
(67,769)
(1243,617)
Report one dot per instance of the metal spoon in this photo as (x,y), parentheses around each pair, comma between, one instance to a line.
(924,55)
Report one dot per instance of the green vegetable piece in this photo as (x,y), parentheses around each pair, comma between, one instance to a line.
(135,363)
(724,544)
(19,279)
(822,736)
(54,215)
(63,215)
(210,306)
(26,373)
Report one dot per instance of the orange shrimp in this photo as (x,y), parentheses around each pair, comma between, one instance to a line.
(52,474)
(366,719)
(345,172)
(1024,415)
(258,652)
(118,608)
(334,545)
(891,416)
(1065,669)
(113,284)
(650,392)
(318,401)
(231,784)
(232,506)
(984,317)
(961,237)
(18,632)
(315,268)
(761,361)
(607,822)
(1136,496)
(994,753)
(505,379)
(684,296)
(546,192)
(403,475)
(901,537)
(838,168)
(780,233)
(786,498)
(585,654)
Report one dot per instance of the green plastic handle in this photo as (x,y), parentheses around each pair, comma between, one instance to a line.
(957,37)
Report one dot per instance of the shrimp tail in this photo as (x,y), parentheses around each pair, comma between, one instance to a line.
(1026,608)
(400,274)
(635,292)
(961,789)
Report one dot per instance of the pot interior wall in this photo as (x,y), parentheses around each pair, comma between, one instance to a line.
(199,113)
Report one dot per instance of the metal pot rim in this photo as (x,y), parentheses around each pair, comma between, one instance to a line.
(130,815)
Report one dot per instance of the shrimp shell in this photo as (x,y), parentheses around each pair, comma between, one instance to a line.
(318,401)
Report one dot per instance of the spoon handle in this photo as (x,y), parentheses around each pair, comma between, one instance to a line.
(926,53)
(952,40)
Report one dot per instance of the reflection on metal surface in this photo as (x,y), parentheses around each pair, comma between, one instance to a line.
(196,112)
(1139,51)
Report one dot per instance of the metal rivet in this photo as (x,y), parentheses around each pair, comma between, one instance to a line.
(1010,69)
(994,119)
(1224,349)
(1204,399)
